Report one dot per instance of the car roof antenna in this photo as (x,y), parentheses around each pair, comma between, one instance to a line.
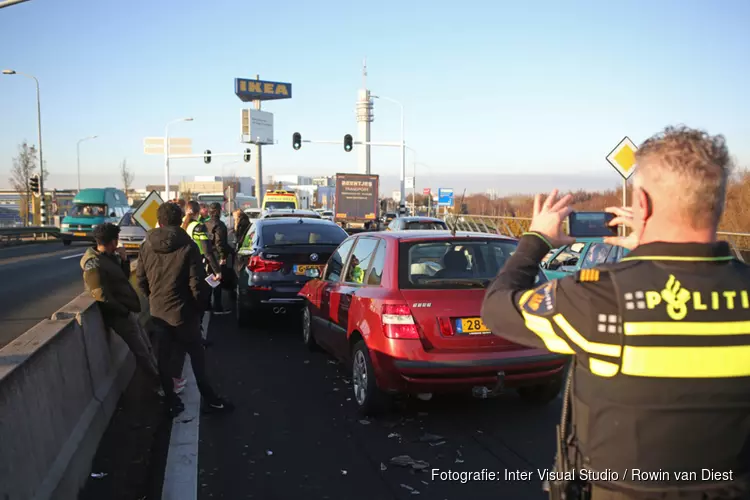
(455,218)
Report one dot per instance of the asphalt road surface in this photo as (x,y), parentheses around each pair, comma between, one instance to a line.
(35,281)
(296,434)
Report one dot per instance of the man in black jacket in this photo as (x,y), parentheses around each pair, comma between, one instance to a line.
(217,231)
(170,273)
(106,274)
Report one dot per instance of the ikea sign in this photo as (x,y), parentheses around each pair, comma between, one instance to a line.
(260,90)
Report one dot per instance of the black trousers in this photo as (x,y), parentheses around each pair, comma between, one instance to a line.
(175,340)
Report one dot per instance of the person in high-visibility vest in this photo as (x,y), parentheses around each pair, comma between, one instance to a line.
(658,342)
(197,231)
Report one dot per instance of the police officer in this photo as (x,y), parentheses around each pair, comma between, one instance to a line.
(660,375)
(197,231)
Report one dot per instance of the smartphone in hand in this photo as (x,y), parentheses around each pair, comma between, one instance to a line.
(591,224)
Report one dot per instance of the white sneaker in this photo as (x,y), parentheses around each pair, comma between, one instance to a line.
(179,385)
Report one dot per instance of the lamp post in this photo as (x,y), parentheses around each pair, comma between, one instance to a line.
(231,191)
(42,207)
(402,207)
(78,156)
(166,153)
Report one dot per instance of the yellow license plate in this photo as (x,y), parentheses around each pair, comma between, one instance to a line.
(131,245)
(79,234)
(301,270)
(471,326)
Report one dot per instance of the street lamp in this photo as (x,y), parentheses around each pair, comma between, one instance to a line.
(402,207)
(42,207)
(78,156)
(166,154)
(231,191)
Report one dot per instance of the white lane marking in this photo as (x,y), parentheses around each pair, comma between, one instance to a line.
(181,473)
(72,256)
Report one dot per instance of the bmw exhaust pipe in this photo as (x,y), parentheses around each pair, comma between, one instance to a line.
(276,310)
(279,310)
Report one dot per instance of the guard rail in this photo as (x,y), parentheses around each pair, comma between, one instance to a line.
(516,226)
(33,233)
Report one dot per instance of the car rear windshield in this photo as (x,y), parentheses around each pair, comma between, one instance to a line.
(296,233)
(432,225)
(127,220)
(276,205)
(453,263)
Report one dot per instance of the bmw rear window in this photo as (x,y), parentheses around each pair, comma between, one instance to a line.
(425,225)
(453,264)
(301,233)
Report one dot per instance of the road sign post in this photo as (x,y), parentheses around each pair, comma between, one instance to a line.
(146,214)
(622,158)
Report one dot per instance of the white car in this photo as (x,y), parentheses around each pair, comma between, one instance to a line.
(326,214)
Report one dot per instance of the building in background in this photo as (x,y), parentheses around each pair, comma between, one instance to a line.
(326,181)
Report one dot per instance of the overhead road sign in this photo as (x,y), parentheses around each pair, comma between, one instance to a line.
(445,197)
(177,146)
(145,215)
(261,90)
(622,158)
(257,127)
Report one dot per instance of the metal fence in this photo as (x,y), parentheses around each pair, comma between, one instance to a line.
(33,233)
(516,226)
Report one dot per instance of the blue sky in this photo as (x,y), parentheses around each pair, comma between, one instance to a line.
(490,87)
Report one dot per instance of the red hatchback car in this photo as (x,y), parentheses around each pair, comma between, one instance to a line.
(402,309)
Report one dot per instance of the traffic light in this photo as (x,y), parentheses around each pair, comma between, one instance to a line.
(296,140)
(34,184)
(207,157)
(246,157)
(347,143)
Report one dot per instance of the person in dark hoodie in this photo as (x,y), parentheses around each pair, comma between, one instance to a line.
(106,275)
(217,232)
(170,273)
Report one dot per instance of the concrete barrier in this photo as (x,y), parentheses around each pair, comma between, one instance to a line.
(59,386)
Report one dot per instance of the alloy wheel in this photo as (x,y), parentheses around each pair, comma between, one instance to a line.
(359,377)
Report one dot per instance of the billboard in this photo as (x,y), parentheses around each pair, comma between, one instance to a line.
(445,197)
(260,90)
(257,126)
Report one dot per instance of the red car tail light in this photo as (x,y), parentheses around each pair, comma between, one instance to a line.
(446,328)
(260,265)
(398,323)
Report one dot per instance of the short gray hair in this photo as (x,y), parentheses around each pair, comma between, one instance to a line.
(690,168)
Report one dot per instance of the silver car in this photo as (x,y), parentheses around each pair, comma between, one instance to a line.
(132,235)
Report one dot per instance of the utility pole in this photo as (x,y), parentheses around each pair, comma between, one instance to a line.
(258,163)
(364,118)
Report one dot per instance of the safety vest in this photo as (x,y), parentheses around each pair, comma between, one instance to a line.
(197,235)
(669,404)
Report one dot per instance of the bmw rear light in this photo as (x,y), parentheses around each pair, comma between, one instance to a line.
(446,328)
(398,323)
(258,264)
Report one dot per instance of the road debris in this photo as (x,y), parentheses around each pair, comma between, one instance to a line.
(343,472)
(383,467)
(430,438)
(269,452)
(364,422)
(409,488)
(407,461)
(394,435)
(98,475)
(459,457)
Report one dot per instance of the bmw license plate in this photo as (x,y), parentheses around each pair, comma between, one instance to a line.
(302,269)
(79,234)
(471,326)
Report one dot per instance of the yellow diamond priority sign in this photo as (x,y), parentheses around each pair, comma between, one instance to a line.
(623,157)
(145,216)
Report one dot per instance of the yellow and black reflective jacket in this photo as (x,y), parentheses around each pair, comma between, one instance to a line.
(661,383)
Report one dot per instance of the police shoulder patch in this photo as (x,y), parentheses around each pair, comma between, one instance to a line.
(541,300)
(91,264)
(589,275)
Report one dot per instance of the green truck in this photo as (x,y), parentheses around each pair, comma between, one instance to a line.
(92,207)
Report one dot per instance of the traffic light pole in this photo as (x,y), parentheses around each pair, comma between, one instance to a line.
(172,157)
(362,143)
